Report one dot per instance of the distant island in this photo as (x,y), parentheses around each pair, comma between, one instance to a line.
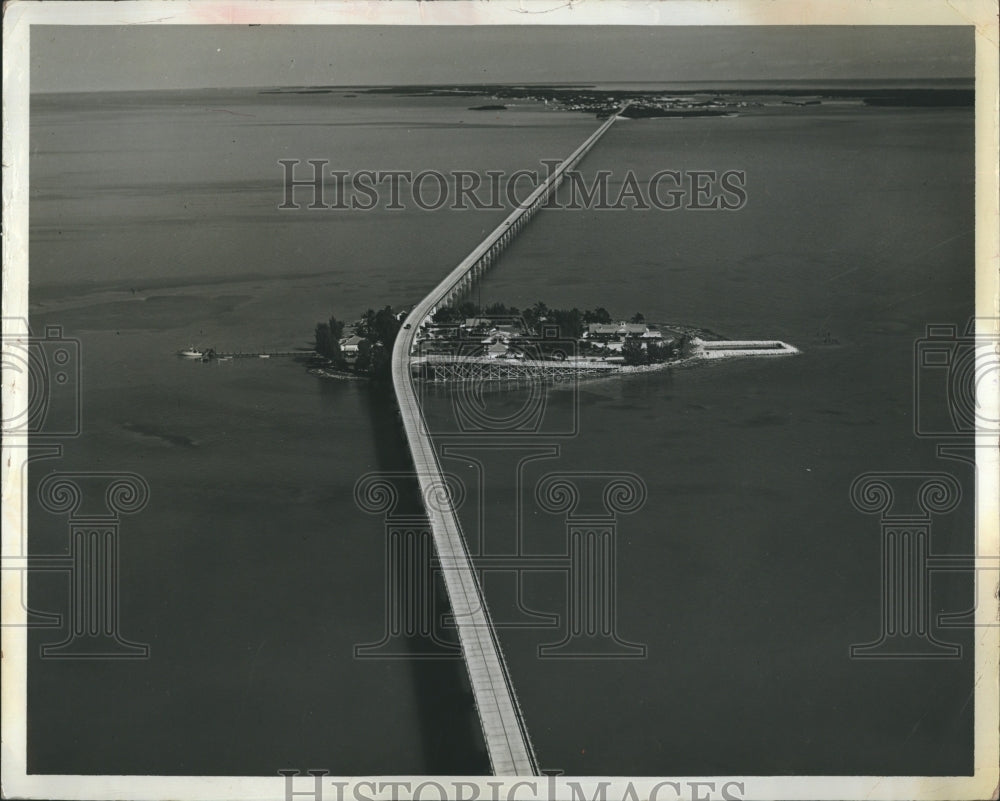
(677,103)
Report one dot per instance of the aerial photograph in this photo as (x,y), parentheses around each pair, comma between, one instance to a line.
(501,400)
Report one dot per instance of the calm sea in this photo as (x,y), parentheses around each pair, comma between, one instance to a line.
(252,573)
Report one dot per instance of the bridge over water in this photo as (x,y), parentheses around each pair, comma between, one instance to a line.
(503,725)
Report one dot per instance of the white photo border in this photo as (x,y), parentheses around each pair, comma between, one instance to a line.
(18,19)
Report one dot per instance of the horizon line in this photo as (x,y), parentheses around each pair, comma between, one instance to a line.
(708,84)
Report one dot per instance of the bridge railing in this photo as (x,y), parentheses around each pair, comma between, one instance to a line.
(504,233)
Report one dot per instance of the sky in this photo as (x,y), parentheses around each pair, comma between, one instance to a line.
(93,58)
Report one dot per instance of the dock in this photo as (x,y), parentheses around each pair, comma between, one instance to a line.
(211,354)
(727,349)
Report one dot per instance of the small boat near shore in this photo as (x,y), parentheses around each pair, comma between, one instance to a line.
(192,352)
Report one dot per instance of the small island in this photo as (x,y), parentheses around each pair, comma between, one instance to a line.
(539,335)
(456,342)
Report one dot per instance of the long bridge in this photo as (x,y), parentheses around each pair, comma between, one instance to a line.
(504,730)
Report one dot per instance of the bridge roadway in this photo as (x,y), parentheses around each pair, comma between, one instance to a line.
(506,736)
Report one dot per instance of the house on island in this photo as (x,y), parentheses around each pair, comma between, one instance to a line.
(492,325)
(622,329)
(612,336)
(349,347)
(441,330)
(497,350)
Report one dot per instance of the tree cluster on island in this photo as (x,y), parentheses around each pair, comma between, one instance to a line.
(376,331)
(571,322)
(328,339)
(653,352)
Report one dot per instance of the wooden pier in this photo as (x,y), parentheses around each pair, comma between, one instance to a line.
(267,354)
(213,355)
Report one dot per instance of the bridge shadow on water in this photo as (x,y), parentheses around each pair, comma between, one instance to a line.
(451,735)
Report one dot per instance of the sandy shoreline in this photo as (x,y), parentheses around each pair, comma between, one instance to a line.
(633,369)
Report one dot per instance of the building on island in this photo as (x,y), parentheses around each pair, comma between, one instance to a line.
(349,347)
(622,329)
(612,336)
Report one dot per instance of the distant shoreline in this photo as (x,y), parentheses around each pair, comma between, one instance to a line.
(782,86)
(600,98)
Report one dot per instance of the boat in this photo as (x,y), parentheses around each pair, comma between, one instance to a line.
(191,353)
